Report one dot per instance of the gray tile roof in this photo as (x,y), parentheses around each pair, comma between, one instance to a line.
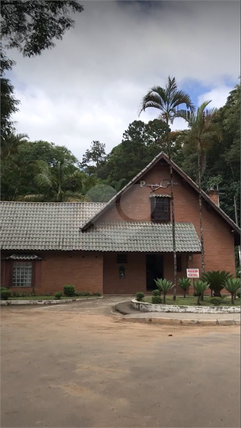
(140,237)
(31,226)
(44,225)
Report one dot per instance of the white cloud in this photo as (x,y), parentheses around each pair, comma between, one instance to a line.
(90,86)
(217,96)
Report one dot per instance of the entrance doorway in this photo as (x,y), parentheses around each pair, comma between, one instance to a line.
(154,270)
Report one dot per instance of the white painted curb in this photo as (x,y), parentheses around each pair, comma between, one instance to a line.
(45,302)
(150,307)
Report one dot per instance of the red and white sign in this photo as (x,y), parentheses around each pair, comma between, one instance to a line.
(193,273)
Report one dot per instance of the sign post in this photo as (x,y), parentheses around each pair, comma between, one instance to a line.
(192,273)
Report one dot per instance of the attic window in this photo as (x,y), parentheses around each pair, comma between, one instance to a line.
(160,208)
(121,258)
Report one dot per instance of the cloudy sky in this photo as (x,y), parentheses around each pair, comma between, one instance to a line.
(90,86)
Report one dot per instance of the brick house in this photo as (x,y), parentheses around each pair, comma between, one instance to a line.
(119,246)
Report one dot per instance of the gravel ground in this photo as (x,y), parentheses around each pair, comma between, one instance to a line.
(79,365)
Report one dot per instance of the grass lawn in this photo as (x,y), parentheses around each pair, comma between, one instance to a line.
(192,301)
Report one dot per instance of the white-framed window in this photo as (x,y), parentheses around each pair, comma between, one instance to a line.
(22,274)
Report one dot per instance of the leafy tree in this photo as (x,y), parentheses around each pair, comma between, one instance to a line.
(140,144)
(203,130)
(8,101)
(93,157)
(19,164)
(223,158)
(168,100)
(31,25)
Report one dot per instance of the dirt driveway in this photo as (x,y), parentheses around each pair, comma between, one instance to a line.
(77,365)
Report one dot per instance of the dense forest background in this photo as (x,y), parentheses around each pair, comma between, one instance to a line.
(43,171)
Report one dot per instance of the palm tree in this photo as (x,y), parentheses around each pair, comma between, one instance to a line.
(203,130)
(168,100)
(232,285)
(11,143)
(57,184)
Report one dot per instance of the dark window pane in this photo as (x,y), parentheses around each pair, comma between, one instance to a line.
(160,209)
(121,258)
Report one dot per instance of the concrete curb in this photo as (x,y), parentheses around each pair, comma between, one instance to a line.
(184,322)
(160,308)
(133,315)
(10,302)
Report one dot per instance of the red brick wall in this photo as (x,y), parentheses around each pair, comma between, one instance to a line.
(83,270)
(134,205)
(135,273)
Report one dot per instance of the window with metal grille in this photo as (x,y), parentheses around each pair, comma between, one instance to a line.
(22,274)
(160,209)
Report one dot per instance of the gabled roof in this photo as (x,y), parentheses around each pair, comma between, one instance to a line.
(179,171)
(31,226)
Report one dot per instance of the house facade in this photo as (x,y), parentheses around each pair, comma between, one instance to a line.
(115,247)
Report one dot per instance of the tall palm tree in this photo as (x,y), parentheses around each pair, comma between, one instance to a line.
(203,131)
(168,100)
(57,184)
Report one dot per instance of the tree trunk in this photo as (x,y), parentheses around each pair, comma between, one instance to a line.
(198,300)
(200,207)
(164,298)
(232,299)
(173,226)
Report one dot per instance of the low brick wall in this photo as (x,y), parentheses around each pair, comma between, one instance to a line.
(149,307)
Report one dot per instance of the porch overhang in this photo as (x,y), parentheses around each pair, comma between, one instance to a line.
(140,237)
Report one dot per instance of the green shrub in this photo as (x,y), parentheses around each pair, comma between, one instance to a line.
(184,283)
(58,295)
(163,285)
(200,287)
(232,285)
(69,290)
(216,280)
(140,296)
(156,299)
(96,294)
(155,292)
(5,293)
(84,293)
(216,301)
(238,294)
